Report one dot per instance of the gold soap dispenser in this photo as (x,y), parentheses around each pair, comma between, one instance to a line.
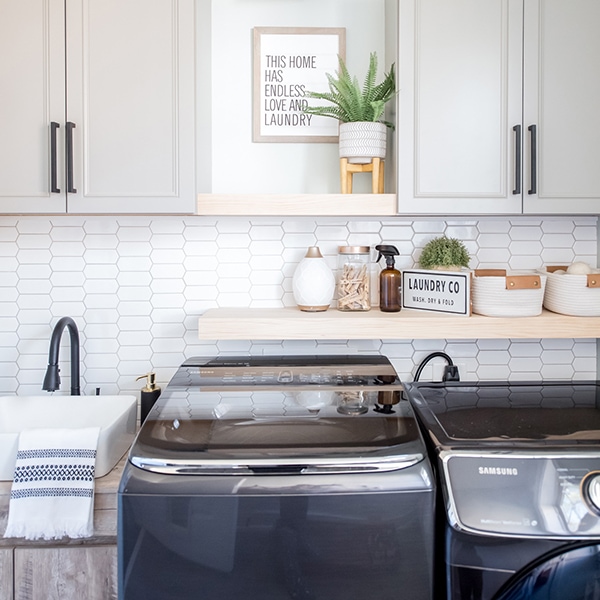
(149,394)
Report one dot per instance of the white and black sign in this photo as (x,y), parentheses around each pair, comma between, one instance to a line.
(287,63)
(437,291)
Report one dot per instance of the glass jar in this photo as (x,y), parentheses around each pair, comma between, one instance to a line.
(354,278)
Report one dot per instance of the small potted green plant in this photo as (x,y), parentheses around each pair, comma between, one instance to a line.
(444,253)
(359,109)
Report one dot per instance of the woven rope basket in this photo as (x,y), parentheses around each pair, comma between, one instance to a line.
(576,295)
(496,293)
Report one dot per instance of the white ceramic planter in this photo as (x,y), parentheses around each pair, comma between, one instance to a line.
(313,283)
(362,141)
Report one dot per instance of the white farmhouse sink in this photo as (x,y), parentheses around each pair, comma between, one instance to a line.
(115,415)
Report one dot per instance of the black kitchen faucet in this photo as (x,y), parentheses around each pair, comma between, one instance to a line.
(52,378)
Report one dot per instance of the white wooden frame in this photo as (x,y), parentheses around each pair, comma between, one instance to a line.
(289,61)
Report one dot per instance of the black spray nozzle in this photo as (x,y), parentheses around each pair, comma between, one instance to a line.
(389,252)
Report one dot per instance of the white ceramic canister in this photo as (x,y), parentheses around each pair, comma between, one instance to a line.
(313,283)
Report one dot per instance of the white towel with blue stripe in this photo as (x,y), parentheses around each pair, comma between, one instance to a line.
(52,494)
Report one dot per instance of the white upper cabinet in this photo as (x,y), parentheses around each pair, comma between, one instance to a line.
(460,95)
(562,87)
(32,59)
(130,81)
(480,82)
(121,138)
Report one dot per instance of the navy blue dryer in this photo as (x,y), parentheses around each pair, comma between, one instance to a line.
(519,464)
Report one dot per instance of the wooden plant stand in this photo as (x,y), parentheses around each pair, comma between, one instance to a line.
(347,169)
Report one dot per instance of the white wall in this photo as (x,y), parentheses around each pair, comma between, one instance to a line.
(137,285)
(236,164)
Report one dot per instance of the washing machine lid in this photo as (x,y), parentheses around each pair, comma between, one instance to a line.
(523,414)
(280,415)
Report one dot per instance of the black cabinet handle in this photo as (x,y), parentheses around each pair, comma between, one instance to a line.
(53,175)
(69,145)
(517,130)
(533,183)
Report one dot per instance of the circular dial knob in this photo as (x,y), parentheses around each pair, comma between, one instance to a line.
(590,489)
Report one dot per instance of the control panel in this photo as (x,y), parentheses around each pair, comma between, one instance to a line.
(523,495)
(267,376)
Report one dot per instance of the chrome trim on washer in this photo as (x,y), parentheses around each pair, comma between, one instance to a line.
(312,466)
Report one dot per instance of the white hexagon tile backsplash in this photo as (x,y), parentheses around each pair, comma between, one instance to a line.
(136,286)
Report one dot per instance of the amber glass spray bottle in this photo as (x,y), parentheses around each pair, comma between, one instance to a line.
(389,280)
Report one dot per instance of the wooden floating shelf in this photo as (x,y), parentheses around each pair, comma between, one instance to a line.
(293,324)
(318,205)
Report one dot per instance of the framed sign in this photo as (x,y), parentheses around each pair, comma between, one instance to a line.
(437,291)
(289,61)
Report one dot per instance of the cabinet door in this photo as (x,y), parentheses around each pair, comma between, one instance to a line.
(460,97)
(130,67)
(6,573)
(62,573)
(33,95)
(561,94)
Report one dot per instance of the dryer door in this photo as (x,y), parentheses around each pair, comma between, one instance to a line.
(572,574)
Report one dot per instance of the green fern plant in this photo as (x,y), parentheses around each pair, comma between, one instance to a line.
(349,102)
(444,252)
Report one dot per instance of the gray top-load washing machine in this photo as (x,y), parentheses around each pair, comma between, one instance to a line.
(519,465)
(302,477)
